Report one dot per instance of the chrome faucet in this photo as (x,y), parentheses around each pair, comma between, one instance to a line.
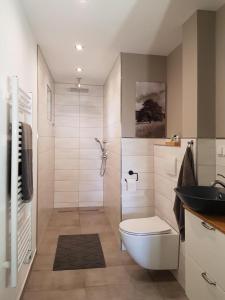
(217,181)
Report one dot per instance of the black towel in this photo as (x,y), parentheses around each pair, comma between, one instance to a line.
(186,178)
(26,168)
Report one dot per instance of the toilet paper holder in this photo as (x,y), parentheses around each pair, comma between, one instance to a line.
(132,173)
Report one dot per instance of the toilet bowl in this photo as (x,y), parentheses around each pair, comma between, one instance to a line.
(151,242)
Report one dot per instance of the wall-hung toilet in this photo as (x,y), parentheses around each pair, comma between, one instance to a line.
(151,242)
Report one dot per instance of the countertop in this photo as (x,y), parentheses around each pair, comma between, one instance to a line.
(218,222)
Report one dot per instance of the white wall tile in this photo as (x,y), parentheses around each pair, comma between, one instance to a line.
(88,143)
(68,197)
(132,146)
(137,212)
(91,101)
(137,164)
(66,121)
(89,111)
(91,132)
(66,186)
(86,186)
(66,143)
(66,132)
(88,122)
(140,198)
(66,164)
(90,164)
(63,99)
(67,153)
(66,110)
(90,175)
(71,175)
(93,196)
(90,154)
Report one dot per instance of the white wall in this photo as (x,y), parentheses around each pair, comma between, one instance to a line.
(78,120)
(18,51)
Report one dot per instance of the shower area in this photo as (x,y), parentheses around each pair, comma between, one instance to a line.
(80,156)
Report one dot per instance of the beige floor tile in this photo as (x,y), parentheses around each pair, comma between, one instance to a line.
(171,290)
(146,292)
(116,275)
(95,277)
(139,275)
(43,263)
(58,280)
(59,219)
(77,294)
(95,228)
(70,230)
(48,247)
(98,293)
(122,279)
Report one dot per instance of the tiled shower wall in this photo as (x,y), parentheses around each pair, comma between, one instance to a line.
(78,120)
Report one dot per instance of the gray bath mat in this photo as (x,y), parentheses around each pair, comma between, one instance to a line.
(81,251)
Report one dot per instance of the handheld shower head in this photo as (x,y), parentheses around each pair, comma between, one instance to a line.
(100,144)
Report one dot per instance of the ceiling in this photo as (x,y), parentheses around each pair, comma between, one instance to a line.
(106,28)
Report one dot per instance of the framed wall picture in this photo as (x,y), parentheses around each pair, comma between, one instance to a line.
(49,105)
(150,109)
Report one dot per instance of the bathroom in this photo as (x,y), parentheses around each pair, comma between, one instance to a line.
(75,73)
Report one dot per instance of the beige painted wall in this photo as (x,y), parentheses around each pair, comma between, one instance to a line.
(112,134)
(46,144)
(189,78)
(198,57)
(220,73)
(174,92)
(134,68)
(206,74)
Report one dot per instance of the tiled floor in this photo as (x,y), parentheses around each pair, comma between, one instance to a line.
(122,279)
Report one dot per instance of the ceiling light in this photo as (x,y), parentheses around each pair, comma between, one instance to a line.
(79,47)
(79,69)
(78,82)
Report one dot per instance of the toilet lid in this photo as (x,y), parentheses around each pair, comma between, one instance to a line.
(145,226)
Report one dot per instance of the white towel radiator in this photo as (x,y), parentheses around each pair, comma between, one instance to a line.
(20,213)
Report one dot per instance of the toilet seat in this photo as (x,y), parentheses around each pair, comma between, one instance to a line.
(145,226)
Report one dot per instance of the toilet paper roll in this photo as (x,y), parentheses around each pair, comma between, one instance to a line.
(131,185)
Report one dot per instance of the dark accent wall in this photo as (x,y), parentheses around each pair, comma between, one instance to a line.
(134,68)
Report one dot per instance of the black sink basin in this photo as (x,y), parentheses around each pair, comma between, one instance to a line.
(203,199)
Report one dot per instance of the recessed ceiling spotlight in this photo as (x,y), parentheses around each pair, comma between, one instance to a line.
(79,47)
(78,82)
(79,69)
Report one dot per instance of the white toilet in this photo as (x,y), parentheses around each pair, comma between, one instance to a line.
(151,242)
